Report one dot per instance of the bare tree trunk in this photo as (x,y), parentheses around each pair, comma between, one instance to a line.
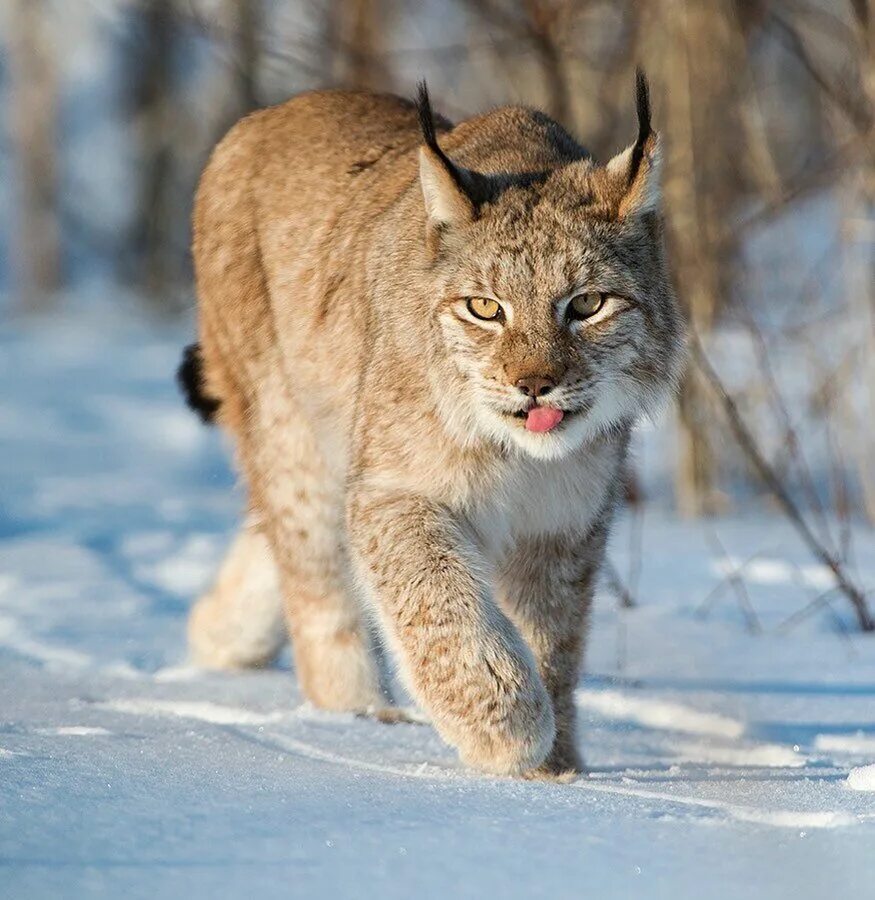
(542,26)
(544,22)
(239,94)
(152,107)
(33,113)
(357,31)
(248,51)
(699,116)
(859,237)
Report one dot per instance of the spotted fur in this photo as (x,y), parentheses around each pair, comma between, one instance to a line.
(380,428)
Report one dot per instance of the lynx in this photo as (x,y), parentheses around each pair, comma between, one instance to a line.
(429,344)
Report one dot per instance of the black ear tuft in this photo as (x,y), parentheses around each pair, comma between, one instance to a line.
(642,102)
(429,135)
(190,377)
(477,187)
(426,116)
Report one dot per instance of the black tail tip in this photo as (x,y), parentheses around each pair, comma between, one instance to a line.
(190,378)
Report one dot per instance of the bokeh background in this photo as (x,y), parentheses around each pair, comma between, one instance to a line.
(109,108)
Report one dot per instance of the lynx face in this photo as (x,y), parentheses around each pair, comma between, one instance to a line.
(557,312)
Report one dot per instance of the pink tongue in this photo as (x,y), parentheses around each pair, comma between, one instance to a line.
(543,418)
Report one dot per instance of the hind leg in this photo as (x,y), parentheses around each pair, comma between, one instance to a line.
(303,502)
(334,660)
(299,497)
(238,623)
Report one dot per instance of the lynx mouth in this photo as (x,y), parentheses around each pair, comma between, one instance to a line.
(541,419)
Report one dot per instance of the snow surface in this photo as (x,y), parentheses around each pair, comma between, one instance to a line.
(862,778)
(720,734)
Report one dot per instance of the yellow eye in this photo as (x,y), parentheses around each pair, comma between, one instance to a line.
(484,307)
(585,305)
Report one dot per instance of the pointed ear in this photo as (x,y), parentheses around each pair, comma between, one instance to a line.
(447,200)
(637,170)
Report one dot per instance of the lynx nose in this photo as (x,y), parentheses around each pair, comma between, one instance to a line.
(536,385)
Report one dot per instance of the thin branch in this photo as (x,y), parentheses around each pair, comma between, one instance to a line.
(711,598)
(616,586)
(736,582)
(805,612)
(778,489)
(791,436)
(859,116)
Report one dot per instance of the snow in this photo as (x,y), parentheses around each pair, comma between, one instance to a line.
(776,571)
(854,744)
(213,713)
(657,714)
(862,778)
(724,760)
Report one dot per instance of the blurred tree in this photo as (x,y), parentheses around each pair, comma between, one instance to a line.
(691,46)
(540,28)
(151,101)
(860,234)
(33,134)
(357,32)
(246,18)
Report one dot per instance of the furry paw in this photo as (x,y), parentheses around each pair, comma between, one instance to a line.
(394,715)
(521,744)
(563,765)
(548,773)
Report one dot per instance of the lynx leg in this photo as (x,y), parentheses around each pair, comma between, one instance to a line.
(334,660)
(547,588)
(461,657)
(333,656)
(239,622)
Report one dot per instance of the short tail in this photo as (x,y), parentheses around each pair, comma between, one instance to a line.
(190,377)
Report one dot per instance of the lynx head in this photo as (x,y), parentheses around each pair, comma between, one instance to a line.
(551,299)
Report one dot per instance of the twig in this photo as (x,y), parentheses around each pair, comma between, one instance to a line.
(636,539)
(777,488)
(791,437)
(801,614)
(856,112)
(704,608)
(615,583)
(736,582)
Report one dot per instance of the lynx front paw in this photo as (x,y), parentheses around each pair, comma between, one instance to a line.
(517,741)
